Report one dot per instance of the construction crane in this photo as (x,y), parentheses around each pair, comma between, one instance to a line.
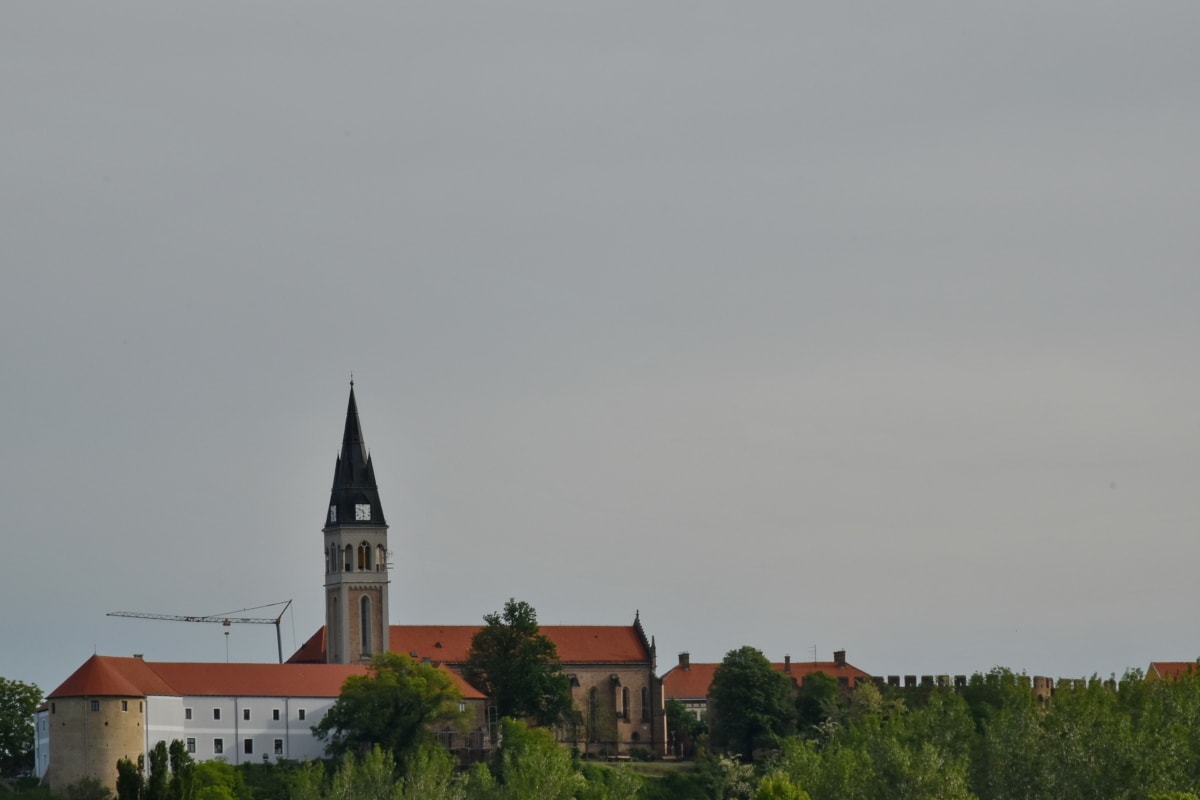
(223,618)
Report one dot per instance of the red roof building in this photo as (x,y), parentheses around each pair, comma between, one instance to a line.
(688,683)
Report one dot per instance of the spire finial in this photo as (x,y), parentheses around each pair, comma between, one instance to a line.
(351,380)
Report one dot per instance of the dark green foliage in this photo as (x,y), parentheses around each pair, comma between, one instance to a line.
(129,780)
(517,667)
(160,776)
(684,729)
(87,789)
(18,702)
(181,772)
(815,702)
(751,705)
(392,707)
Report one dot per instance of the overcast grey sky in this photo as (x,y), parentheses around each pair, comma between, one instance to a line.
(858,325)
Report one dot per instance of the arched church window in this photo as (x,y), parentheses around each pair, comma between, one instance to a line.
(625,703)
(645,704)
(380,558)
(364,608)
(592,726)
(362,557)
(349,558)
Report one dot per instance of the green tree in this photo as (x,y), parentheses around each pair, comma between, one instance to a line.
(683,728)
(130,783)
(18,702)
(216,780)
(778,786)
(429,775)
(815,702)
(515,665)
(392,707)
(181,771)
(159,780)
(751,705)
(529,764)
(373,778)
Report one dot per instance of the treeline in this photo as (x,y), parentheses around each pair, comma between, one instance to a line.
(993,740)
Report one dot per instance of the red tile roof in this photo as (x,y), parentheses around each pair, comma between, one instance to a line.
(1170,669)
(692,683)
(688,684)
(577,644)
(109,676)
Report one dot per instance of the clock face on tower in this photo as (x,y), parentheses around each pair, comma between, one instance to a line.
(362,511)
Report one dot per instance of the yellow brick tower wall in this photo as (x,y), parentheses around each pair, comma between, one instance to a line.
(86,743)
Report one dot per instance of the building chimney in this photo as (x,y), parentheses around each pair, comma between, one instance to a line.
(787,664)
(137,655)
(839,658)
(685,660)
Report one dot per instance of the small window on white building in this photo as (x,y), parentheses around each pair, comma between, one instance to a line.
(187,713)
(218,746)
(248,746)
(191,744)
(124,705)
(275,715)
(246,714)
(216,713)
(300,715)
(279,747)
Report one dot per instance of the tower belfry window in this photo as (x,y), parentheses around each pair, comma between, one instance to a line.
(349,558)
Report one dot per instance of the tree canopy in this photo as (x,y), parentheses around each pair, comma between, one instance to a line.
(517,666)
(392,707)
(18,702)
(751,705)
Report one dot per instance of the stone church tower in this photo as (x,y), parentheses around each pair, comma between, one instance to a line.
(356,554)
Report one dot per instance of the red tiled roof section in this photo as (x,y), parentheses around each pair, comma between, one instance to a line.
(468,691)
(111,676)
(577,644)
(800,669)
(102,676)
(312,651)
(257,680)
(1170,669)
(692,683)
(689,684)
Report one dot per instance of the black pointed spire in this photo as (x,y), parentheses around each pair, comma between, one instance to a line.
(354,499)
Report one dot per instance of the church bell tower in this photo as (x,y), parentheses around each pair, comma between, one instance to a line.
(356,553)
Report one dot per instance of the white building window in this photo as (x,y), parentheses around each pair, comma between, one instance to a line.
(275,715)
(216,713)
(191,744)
(279,747)
(246,714)
(248,746)
(218,746)
(300,715)
(187,713)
